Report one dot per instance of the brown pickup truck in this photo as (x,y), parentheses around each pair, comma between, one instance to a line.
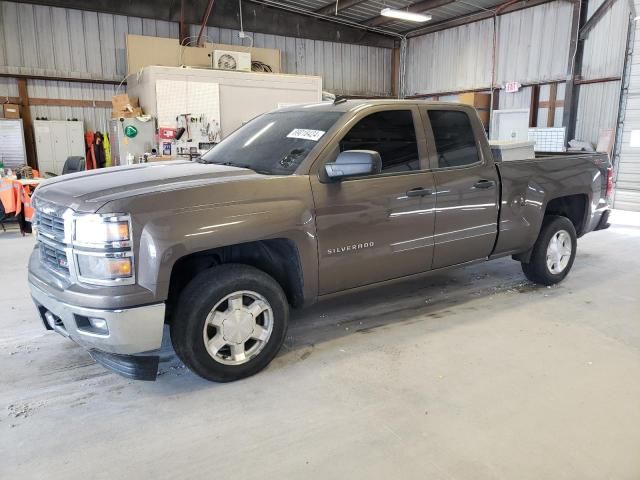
(298,205)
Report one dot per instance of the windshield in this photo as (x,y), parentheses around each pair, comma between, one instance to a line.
(274,143)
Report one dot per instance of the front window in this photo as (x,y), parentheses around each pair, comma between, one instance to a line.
(392,134)
(274,143)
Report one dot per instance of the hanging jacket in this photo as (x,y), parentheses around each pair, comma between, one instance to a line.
(107,150)
(8,196)
(89,138)
(26,203)
(98,151)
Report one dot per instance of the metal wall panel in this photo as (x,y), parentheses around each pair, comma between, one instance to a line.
(42,40)
(8,88)
(519,99)
(533,46)
(450,60)
(605,44)
(597,109)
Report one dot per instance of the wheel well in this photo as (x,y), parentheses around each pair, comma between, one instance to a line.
(276,257)
(574,207)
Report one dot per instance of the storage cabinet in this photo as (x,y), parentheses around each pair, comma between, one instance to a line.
(55,141)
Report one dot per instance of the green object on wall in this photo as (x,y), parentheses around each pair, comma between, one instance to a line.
(130,131)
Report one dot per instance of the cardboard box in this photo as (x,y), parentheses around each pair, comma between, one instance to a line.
(480,101)
(123,106)
(10,110)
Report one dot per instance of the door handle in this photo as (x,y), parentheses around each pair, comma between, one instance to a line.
(418,192)
(484,184)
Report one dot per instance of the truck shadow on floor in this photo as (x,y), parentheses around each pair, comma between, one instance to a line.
(436,300)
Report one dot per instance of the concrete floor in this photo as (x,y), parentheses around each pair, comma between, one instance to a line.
(470,374)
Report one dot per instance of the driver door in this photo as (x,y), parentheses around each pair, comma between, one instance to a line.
(376,227)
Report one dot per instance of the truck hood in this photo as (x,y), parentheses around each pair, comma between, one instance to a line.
(88,191)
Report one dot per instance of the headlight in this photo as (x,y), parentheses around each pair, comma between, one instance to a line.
(107,267)
(103,249)
(103,231)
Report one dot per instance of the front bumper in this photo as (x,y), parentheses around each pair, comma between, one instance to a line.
(130,332)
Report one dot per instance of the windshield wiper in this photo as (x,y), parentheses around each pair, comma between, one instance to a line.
(241,165)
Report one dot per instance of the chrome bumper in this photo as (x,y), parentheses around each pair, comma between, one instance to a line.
(130,330)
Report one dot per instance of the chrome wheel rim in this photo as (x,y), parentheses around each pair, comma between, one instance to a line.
(238,327)
(559,252)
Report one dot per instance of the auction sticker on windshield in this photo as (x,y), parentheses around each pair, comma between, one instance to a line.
(306,134)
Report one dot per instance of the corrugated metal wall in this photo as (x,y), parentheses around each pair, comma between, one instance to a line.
(604,48)
(597,109)
(519,99)
(533,46)
(603,57)
(450,60)
(42,40)
(627,193)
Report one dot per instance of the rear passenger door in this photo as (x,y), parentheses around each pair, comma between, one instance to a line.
(467,187)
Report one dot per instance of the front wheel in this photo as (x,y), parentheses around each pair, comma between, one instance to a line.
(230,322)
(553,253)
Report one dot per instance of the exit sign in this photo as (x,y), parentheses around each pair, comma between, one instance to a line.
(512,87)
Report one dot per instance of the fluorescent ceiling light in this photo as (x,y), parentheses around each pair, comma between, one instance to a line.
(404,15)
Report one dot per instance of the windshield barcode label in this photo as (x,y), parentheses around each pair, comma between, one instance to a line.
(306,134)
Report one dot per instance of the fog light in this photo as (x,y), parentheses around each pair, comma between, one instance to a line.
(51,319)
(99,325)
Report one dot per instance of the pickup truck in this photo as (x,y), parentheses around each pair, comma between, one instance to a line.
(300,204)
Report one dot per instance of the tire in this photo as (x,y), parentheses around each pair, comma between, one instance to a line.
(220,298)
(538,269)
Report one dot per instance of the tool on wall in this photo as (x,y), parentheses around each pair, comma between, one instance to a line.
(185,119)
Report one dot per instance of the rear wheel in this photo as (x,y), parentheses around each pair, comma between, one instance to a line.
(553,253)
(230,322)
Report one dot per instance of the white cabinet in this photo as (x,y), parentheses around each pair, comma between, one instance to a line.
(55,141)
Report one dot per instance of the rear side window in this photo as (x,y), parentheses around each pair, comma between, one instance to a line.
(455,141)
(390,133)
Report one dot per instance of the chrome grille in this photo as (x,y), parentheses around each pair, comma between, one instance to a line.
(50,225)
(51,237)
(54,256)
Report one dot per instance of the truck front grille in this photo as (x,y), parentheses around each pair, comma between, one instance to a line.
(54,257)
(51,237)
(50,225)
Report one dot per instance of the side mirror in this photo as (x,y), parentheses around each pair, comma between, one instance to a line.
(354,163)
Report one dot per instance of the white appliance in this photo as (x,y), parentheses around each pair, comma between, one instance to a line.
(55,141)
(510,125)
(228,60)
(221,97)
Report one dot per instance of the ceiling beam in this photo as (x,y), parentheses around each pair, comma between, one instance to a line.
(418,7)
(338,5)
(473,17)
